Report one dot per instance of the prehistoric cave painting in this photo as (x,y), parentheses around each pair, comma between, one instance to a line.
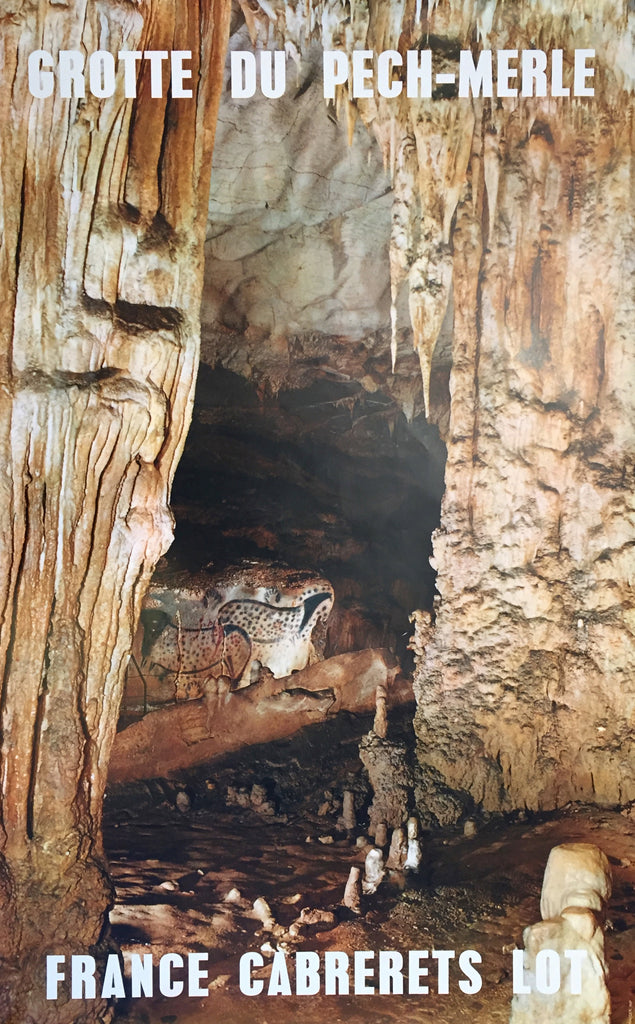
(193,654)
(208,633)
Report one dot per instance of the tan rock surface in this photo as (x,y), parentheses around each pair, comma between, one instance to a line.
(527,690)
(103,216)
(576,875)
(512,230)
(194,732)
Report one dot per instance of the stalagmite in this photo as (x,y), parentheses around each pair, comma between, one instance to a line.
(349,818)
(380,723)
(183,801)
(390,776)
(262,911)
(373,870)
(259,800)
(398,853)
(562,973)
(415,854)
(381,834)
(577,875)
(353,891)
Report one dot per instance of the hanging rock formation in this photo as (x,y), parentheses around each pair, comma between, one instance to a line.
(512,226)
(527,687)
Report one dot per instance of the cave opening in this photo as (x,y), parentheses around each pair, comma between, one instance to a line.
(309,445)
(310,452)
(270,745)
(327,477)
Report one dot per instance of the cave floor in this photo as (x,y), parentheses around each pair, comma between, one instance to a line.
(173,871)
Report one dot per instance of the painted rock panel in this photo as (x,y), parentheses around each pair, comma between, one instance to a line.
(216,632)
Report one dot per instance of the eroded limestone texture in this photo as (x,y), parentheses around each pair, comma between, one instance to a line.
(103,205)
(527,688)
(512,235)
(197,731)
(391,778)
(516,219)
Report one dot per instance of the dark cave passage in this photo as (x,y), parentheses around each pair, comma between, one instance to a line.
(328,477)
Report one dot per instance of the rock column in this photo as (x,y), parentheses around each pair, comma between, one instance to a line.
(104,206)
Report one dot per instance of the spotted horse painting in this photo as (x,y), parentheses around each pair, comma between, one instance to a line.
(214,633)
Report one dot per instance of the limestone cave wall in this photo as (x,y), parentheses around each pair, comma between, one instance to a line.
(510,252)
(305,448)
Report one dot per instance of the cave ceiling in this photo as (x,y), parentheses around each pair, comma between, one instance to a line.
(306,447)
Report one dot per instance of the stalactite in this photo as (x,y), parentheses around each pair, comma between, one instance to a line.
(520,209)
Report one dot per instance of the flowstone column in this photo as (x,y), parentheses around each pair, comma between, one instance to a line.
(526,690)
(104,208)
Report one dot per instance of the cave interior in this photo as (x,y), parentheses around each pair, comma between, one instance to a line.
(309,450)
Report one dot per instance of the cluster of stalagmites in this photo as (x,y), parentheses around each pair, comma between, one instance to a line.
(389,853)
(392,856)
(383,859)
(564,971)
(388,850)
